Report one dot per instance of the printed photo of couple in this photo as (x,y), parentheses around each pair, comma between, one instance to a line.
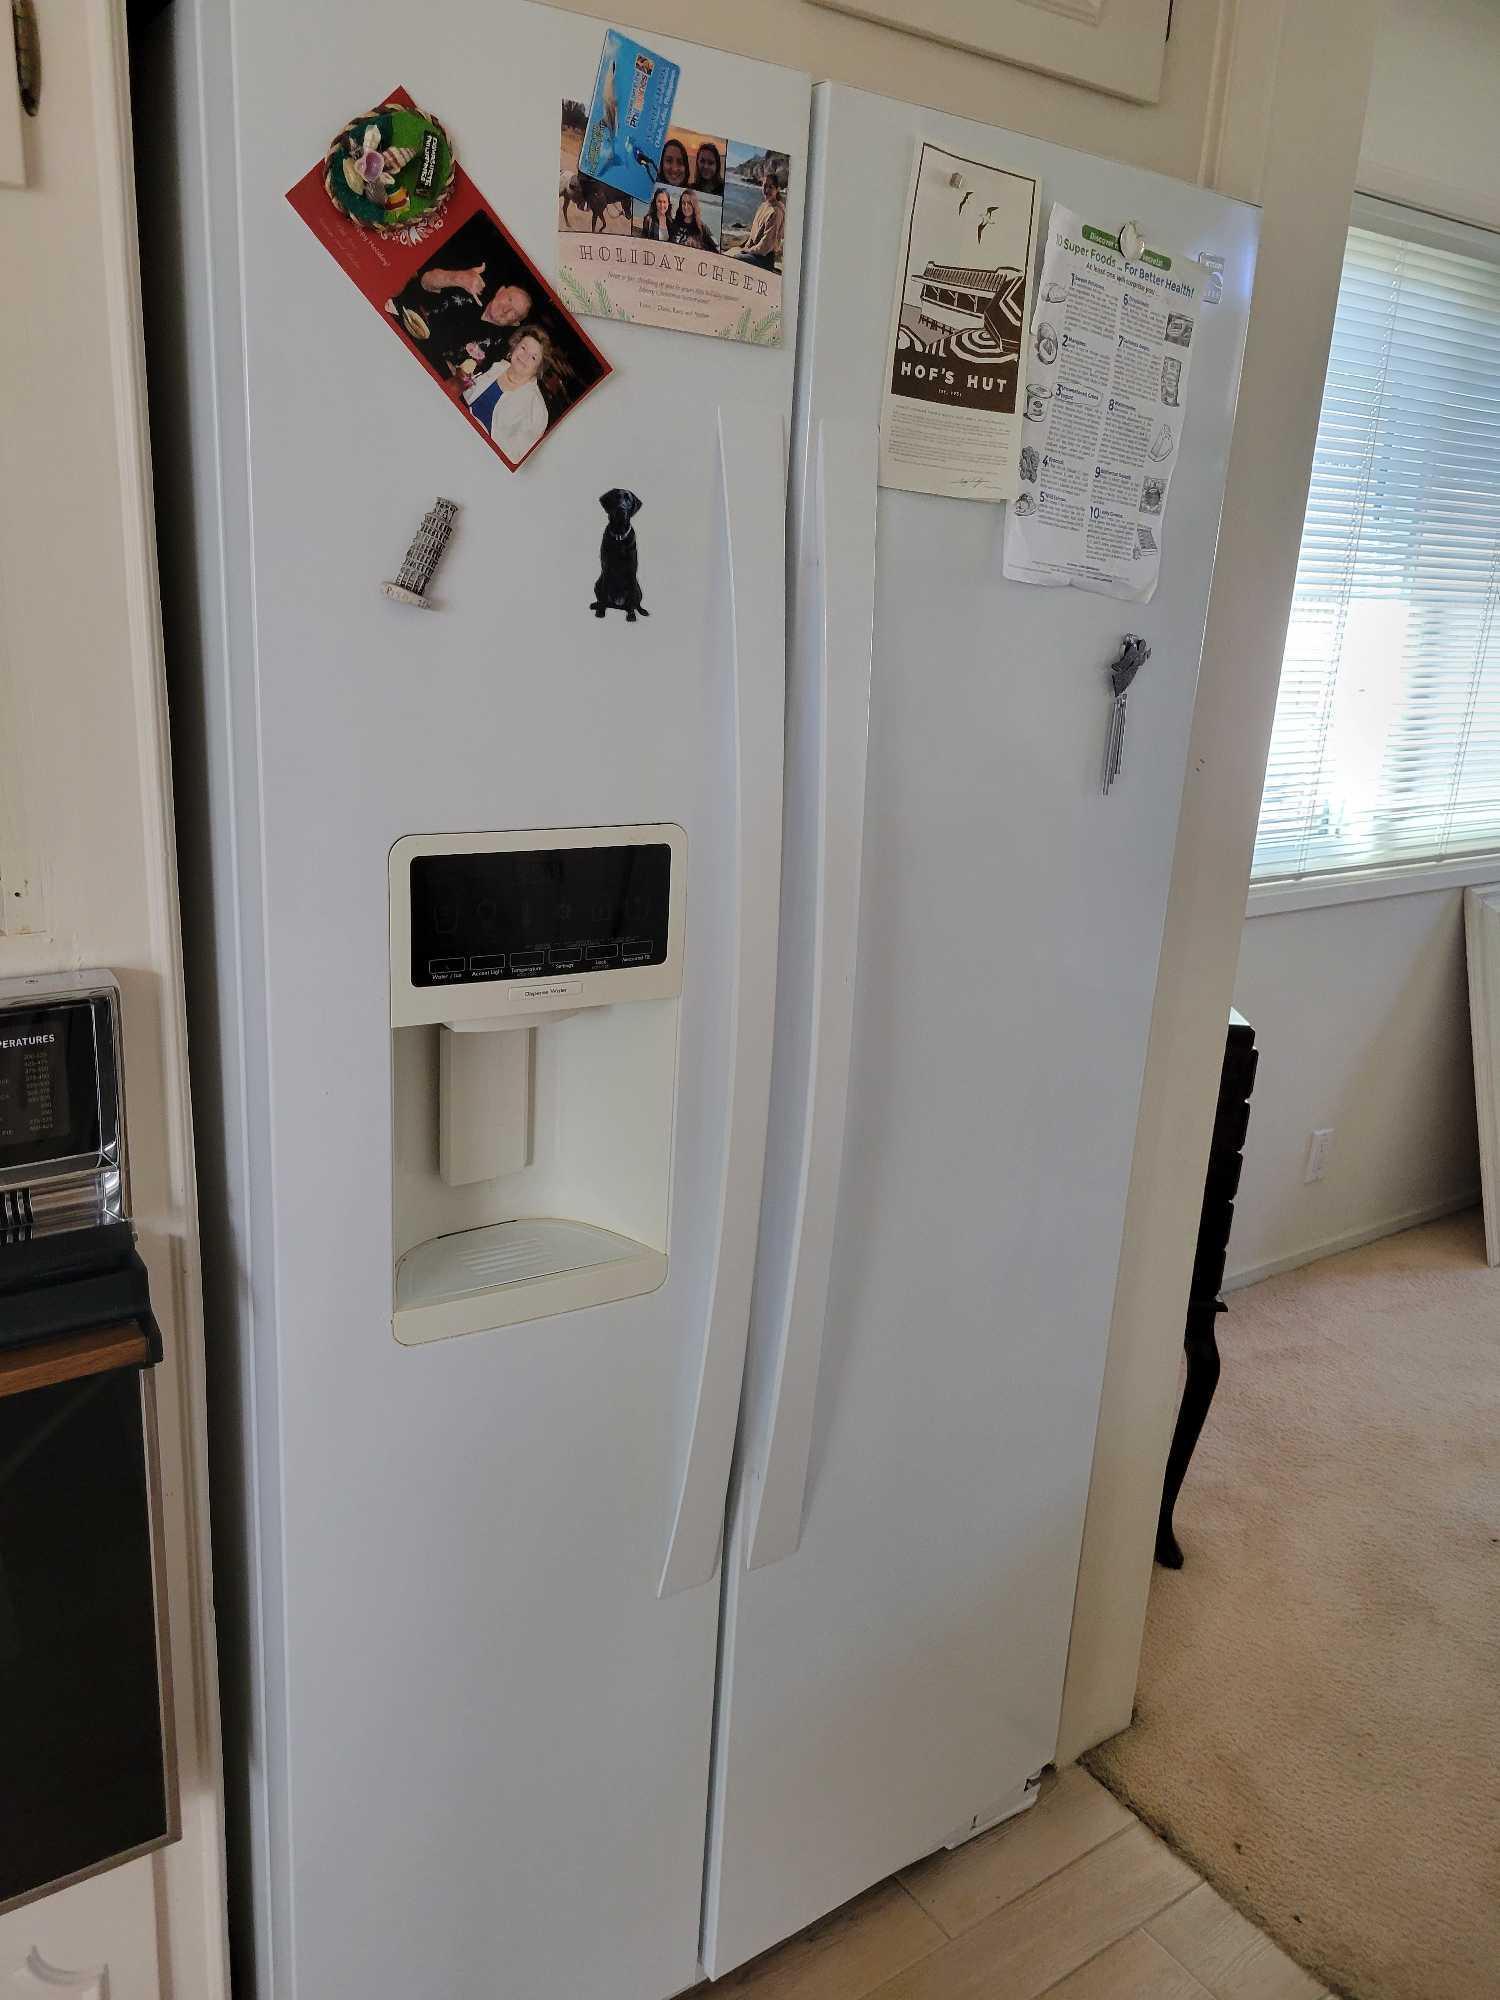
(496,335)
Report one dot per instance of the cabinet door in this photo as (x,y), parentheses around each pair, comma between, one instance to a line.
(96,1941)
(1119,48)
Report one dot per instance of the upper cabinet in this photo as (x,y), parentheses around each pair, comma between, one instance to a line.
(1116,46)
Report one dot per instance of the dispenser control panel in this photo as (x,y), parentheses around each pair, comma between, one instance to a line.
(477,918)
(491,926)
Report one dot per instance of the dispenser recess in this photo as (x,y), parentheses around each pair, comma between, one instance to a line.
(534,994)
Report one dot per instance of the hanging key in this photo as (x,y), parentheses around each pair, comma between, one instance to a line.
(1134,653)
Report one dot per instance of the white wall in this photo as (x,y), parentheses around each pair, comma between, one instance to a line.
(1362,1009)
(1432,127)
(1292,117)
(1361,1012)
(1171,136)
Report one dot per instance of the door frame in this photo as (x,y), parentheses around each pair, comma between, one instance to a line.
(174,1900)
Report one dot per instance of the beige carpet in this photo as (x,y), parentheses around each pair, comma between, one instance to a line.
(1318,1722)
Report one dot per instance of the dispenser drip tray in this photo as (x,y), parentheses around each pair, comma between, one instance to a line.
(478,1279)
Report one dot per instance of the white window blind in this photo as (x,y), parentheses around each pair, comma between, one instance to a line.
(1387,740)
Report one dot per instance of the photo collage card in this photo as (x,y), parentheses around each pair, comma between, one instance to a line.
(701,253)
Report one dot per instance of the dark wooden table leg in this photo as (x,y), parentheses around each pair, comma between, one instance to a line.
(1198,1393)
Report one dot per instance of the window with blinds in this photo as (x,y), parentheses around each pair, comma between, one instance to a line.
(1387,740)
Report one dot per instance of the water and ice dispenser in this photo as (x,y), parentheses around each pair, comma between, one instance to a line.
(534,993)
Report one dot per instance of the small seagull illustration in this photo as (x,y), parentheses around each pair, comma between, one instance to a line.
(966,200)
(645,160)
(989,214)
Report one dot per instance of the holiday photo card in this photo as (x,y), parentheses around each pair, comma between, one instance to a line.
(701,252)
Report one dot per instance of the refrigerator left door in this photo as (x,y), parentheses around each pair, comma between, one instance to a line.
(477,1725)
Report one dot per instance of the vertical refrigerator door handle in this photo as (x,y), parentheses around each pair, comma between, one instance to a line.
(837,580)
(752,453)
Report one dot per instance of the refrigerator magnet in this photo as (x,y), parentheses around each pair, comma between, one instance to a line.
(619,585)
(628,118)
(390,168)
(423,556)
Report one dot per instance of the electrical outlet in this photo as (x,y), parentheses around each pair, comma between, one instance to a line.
(1318,1144)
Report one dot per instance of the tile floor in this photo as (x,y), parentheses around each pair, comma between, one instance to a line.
(1075,1899)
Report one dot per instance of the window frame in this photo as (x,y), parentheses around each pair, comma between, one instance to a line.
(1269,895)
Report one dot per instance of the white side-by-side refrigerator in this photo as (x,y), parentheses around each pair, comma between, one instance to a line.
(632,1548)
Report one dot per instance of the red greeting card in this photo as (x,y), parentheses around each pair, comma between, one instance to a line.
(464,297)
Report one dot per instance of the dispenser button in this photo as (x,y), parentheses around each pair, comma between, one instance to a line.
(566,957)
(446,968)
(637,951)
(527,961)
(488,964)
(602,954)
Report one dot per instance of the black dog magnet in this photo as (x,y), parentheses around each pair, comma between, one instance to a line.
(619,585)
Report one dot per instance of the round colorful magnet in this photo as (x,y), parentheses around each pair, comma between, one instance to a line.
(390,168)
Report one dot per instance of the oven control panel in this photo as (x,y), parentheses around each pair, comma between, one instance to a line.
(58,1080)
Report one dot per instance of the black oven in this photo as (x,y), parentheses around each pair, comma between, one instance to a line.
(85,1726)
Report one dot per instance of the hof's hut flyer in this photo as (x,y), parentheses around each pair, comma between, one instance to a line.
(702,253)
(956,366)
(1112,344)
(391,205)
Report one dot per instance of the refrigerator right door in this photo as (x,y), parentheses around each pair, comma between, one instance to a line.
(970,940)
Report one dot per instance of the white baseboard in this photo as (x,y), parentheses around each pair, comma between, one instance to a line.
(1352,1239)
